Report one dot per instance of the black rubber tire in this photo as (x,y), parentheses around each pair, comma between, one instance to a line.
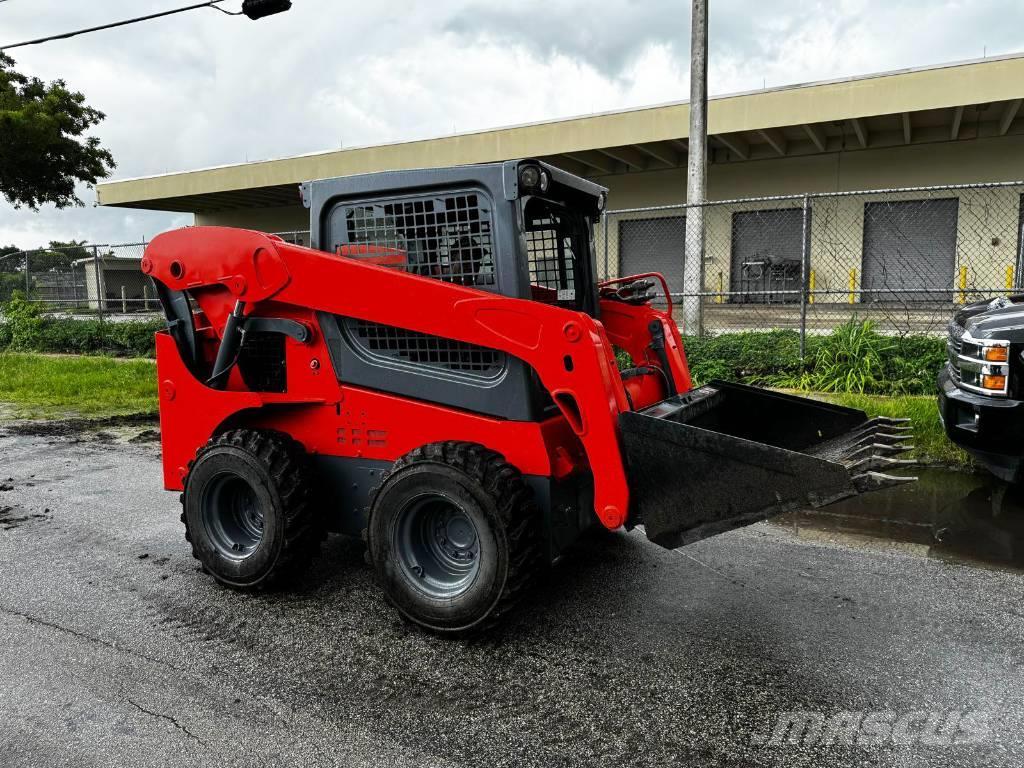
(493,494)
(275,469)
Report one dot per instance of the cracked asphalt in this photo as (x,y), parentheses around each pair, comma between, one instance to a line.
(116,651)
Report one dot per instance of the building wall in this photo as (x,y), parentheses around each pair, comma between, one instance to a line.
(286,219)
(988,224)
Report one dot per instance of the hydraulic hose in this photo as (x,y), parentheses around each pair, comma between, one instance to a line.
(658,345)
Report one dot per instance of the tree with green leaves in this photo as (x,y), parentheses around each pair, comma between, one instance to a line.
(12,271)
(59,256)
(44,149)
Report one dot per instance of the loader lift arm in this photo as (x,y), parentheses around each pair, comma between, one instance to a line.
(227,268)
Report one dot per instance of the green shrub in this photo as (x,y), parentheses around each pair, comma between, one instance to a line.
(754,357)
(853,358)
(913,364)
(24,321)
(27,330)
(850,359)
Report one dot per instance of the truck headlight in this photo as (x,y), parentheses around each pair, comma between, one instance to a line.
(984,365)
(996,354)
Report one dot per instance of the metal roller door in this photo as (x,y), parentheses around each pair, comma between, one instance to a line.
(909,250)
(654,245)
(766,254)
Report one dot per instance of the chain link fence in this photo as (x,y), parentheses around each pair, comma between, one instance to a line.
(902,258)
(94,280)
(89,280)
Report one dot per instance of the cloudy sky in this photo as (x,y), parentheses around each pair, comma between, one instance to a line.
(202,89)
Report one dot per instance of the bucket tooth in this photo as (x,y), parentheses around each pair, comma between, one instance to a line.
(876,481)
(881,449)
(879,462)
(887,421)
(881,437)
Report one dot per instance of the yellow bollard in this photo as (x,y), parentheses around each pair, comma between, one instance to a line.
(963,285)
(810,287)
(721,289)
(1009,279)
(853,286)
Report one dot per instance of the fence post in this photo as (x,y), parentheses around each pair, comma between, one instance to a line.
(28,279)
(99,281)
(604,231)
(805,272)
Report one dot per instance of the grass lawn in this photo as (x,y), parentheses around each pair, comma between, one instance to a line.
(44,386)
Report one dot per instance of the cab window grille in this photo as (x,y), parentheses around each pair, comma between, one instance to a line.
(446,237)
(422,349)
(554,242)
(552,265)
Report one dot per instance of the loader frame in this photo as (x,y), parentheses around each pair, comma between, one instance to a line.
(229,273)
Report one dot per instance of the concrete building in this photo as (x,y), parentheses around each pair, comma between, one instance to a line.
(953,124)
(119,286)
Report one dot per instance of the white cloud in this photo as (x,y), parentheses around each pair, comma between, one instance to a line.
(204,89)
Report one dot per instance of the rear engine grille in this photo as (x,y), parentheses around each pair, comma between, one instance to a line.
(421,349)
(261,362)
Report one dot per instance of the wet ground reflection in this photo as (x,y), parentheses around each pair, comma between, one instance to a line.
(968,518)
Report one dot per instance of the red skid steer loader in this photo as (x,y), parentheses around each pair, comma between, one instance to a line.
(438,374)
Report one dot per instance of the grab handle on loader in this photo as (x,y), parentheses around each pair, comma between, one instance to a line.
(642,276)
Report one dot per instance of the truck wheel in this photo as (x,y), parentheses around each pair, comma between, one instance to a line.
(247,510)
(453,535)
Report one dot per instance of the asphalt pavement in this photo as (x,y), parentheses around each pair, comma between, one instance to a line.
(115,650)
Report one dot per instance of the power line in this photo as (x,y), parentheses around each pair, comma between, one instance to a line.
(66,35)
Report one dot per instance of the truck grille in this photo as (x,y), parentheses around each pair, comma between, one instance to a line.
(954,346)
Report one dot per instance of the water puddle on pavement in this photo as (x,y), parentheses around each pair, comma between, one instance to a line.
(972,519)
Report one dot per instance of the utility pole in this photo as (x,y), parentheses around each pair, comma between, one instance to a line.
(697,172)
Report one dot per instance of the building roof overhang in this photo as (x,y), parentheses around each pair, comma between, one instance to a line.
(952,102)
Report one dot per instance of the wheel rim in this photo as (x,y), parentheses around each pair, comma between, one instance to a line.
(233,516)
(437,545)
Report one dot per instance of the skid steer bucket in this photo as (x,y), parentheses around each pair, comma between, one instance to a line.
(727,455)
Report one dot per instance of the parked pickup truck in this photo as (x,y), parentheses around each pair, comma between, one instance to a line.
(981,388)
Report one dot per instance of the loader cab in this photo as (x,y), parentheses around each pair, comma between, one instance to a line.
(521,228)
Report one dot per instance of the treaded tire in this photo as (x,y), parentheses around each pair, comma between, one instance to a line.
(485,489)
(270,470)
